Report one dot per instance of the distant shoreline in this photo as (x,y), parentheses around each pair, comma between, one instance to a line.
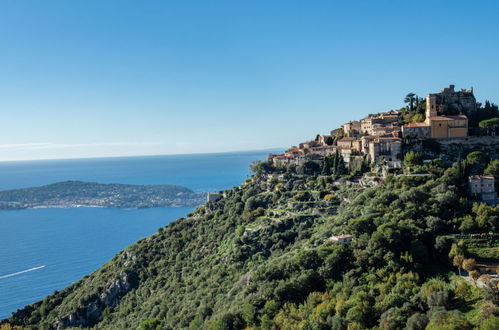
(77,194)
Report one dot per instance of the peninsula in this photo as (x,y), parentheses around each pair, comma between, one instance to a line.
(69,194)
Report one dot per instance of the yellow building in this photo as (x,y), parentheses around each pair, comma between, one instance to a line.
(448,126)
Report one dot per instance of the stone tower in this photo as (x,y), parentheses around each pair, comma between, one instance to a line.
(431,107)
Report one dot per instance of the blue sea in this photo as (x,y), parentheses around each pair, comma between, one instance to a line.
(44,250)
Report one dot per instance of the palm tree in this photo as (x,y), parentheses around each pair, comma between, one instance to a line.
(409,98)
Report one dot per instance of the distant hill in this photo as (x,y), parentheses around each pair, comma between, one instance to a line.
(91,194)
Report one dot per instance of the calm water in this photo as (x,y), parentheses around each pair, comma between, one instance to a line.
(47,249)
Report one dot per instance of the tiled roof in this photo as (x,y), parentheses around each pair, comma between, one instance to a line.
(416,125)
(344,236)
(458,117)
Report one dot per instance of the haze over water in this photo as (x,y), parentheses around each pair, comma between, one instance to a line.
(44,250)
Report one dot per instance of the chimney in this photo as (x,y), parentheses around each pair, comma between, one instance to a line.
(451,88)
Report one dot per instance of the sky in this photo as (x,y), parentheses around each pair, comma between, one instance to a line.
(120,78)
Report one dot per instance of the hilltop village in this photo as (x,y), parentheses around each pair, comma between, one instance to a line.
(379,137)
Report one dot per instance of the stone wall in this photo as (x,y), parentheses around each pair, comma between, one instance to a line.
(452,148)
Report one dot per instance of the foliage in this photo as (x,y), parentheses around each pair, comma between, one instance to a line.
(412,159)
(262,257)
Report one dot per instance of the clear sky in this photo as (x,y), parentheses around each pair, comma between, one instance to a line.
(111,78)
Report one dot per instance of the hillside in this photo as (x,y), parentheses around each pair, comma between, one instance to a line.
(263,257)
(92,194)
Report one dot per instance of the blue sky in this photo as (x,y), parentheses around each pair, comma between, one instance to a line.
(116,78)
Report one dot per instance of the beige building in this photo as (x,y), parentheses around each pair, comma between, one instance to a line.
(416,130)
(346,142)
(351,128)
(342,239)
(437,125)
(448,126)
(388,147)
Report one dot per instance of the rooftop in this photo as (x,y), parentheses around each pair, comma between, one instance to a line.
(343,236)
(458,117)
(416,125)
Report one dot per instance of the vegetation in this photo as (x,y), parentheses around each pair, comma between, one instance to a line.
(414,112)
(490,125)
(261,257)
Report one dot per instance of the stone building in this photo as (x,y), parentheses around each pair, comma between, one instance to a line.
(368,124)
(445,102)
(364,143)
(416,130)
(438,124)
(483,187)
(351,128)
(448,126)
(388,147)
(325,139)
(337,132)
(346,142)
(448,101)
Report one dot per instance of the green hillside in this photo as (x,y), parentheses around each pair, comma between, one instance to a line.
(262,257)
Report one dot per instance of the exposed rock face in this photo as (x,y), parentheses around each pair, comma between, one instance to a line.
(90,313)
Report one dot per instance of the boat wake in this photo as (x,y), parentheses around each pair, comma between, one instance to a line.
(22,272)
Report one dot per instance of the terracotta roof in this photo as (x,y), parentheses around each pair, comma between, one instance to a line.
(344,236)
(416,125)
(390,138)
(478,177)
(458,117)
(347,139)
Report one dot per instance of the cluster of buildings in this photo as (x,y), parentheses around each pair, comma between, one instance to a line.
(380,135)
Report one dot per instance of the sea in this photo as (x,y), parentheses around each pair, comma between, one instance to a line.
(44,250)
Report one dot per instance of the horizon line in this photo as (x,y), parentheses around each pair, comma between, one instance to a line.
(134,156)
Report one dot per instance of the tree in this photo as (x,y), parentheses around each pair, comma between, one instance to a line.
(418,118)
(413,158)
(490,125)
(476,162)
(458,262)
(469,264)
(338,164)
(475,157)
(449,321)
(492,323)
(151,324)
(309,168)
(417,321)
(492,169)
(457,249)
(327,164)
(410,98)
(474,274)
